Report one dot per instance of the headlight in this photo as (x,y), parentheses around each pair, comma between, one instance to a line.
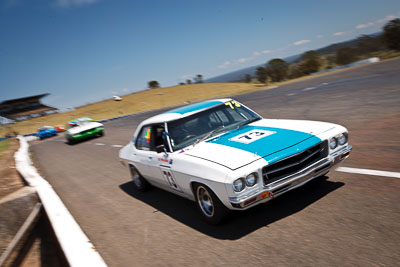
(251,179)
(238,185)
(333,143)
(342,139)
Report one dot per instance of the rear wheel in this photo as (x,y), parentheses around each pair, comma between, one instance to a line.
(140,183)
(209,205)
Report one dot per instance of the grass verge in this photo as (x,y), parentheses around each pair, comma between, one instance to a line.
(4,145)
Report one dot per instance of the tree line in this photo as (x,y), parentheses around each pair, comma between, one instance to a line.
(311,61)
(197,79)
(277,69)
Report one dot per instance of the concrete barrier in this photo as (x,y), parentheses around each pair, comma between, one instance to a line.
(78,249)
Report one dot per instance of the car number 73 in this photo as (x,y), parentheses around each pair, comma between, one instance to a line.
(251,136)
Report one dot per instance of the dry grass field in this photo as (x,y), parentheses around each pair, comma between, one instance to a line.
(134,103)
(155,99)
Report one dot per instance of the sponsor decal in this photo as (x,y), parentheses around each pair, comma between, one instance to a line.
(251,136)
(166,160)
(268,193)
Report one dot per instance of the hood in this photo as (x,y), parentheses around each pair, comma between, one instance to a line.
(84,127)
(255,141)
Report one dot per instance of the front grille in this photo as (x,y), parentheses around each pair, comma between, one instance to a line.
(294,163)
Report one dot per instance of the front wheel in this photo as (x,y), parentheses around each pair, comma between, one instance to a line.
(140,183)
(209,205)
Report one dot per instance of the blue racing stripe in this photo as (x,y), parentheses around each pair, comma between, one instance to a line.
(195,107)
(276,145)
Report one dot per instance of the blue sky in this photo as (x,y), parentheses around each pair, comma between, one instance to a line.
(82,51)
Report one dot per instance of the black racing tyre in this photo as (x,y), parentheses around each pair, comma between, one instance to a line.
(209,205)
(101,133)
(139,182)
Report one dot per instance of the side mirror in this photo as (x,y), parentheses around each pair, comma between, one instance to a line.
(160,148)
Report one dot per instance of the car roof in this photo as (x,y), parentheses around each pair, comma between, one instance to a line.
(184,111)
(80,119)
(46,127)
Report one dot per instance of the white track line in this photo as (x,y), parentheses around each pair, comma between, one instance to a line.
(309,88)
(99,144)
(117,145)
(369,172)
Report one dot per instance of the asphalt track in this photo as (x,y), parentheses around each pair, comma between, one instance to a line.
(346,220)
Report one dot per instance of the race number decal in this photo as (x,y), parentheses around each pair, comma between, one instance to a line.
(232,104)
(169,177)
(251,136)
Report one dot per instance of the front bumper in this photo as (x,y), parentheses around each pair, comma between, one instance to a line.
(86,134)
(290,182)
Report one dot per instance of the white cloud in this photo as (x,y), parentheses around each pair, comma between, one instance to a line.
(187,77)
(386,19)
(366,25)
(225,65)
(301,42)
(70,3)
(243,60)
(339,33)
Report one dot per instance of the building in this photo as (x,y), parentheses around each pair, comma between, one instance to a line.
(24,108)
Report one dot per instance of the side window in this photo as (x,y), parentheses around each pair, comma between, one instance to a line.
(143,141)
(158,138)
(150,136)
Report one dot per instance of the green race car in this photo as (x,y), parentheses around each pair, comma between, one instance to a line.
(83,128)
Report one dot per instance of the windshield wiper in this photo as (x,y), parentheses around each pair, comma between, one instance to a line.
(208,134)
(243,123)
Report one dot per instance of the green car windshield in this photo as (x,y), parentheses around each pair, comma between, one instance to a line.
(206,124)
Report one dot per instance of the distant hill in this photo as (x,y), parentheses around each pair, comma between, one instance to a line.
(239,75)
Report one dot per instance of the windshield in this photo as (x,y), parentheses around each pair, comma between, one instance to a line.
(208,123)
(80,121)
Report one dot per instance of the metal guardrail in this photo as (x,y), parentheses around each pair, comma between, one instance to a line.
(76,246)
(22,233)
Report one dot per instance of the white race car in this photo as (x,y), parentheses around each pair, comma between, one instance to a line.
(224,156)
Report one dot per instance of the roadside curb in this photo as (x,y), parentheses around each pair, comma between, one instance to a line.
(78,249)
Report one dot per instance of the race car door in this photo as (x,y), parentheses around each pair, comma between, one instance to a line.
(159,164)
